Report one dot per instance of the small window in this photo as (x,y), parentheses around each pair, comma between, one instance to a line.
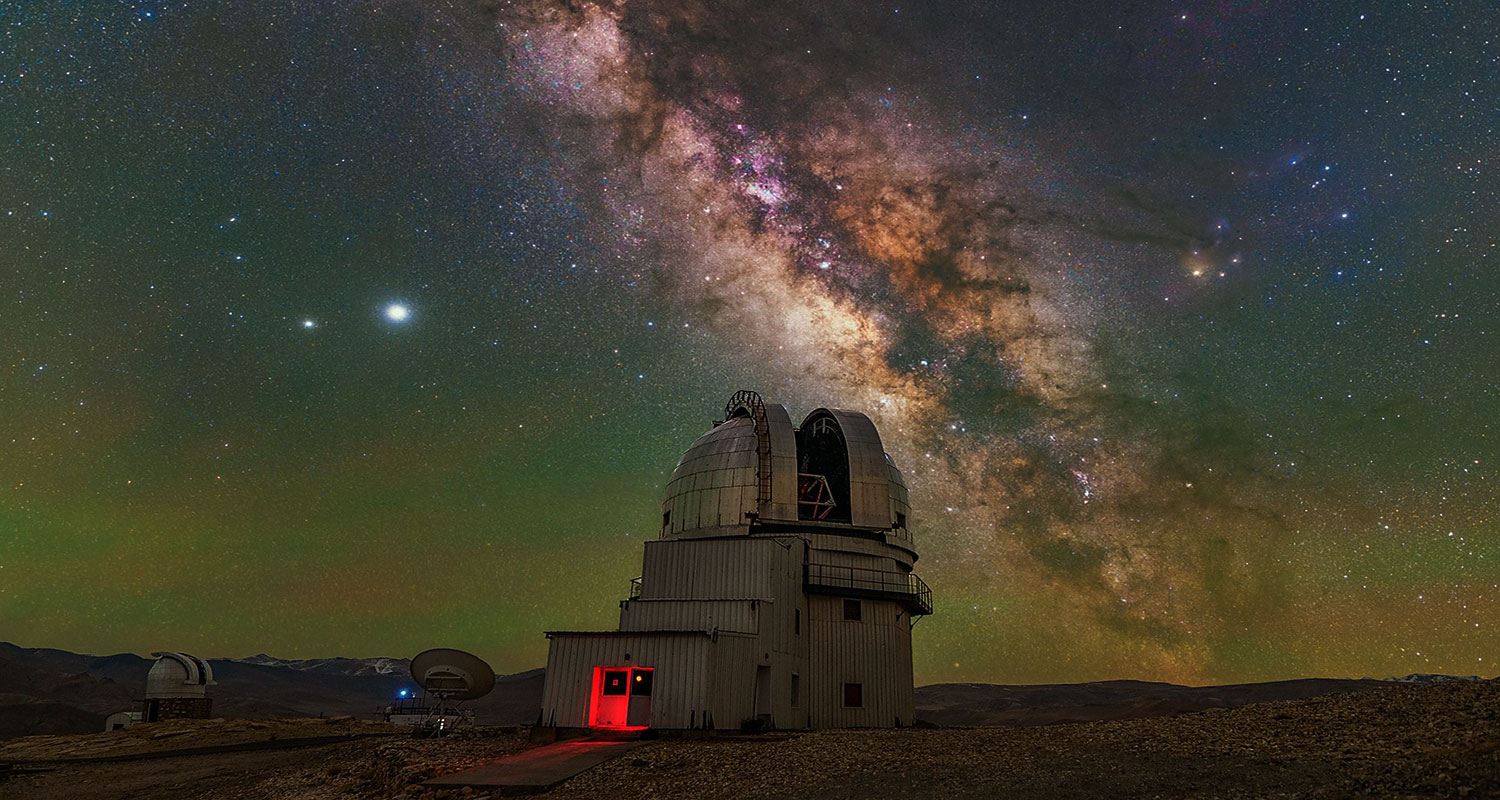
(666,520)
(796,690)
(640,682)
(797,621)
(854,695)
(900,520)
(616,682)
(852,611)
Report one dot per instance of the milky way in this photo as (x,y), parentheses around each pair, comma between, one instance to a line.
(1143,301)
(872,256)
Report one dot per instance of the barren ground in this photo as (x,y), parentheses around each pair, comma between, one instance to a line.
(177,734)
(1403,741)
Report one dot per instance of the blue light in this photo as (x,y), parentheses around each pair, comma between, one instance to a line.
(402,693)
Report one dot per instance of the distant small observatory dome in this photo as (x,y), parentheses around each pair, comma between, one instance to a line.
(178,675)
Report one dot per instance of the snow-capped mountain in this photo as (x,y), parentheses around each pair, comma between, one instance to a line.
(1426,677)
(397,667)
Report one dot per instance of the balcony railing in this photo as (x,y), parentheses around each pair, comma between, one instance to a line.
(903,587)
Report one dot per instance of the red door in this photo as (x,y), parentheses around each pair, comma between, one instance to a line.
(611,697)
(621,697)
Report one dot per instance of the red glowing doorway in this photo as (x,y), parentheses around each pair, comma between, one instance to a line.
(621,698)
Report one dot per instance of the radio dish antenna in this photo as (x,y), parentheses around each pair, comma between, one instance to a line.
(450,677)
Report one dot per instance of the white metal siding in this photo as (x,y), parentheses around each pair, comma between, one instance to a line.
(899,500)
(783,505)
(680,661)
(869,481)
(874,652)
(716,481)
(711,569)
(847,544)
(731,680)
(740,616)
(844,558)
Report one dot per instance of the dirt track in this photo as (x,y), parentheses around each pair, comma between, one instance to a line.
(221,775)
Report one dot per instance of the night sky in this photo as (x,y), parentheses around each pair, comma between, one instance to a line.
(357,328)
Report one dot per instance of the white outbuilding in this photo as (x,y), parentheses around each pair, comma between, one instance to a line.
(779,594)
(121,719)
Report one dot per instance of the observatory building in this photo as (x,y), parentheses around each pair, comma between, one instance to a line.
(177,688)
(121,719)
(779,593)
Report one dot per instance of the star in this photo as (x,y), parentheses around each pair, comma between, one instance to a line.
(397,312)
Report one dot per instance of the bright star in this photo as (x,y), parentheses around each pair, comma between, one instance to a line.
(307,323)
(395,312)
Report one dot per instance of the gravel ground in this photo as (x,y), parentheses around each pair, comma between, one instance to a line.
(364,769)
(1405,741)
(1440,740)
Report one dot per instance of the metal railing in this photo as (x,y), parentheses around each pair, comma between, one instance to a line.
(903,587)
